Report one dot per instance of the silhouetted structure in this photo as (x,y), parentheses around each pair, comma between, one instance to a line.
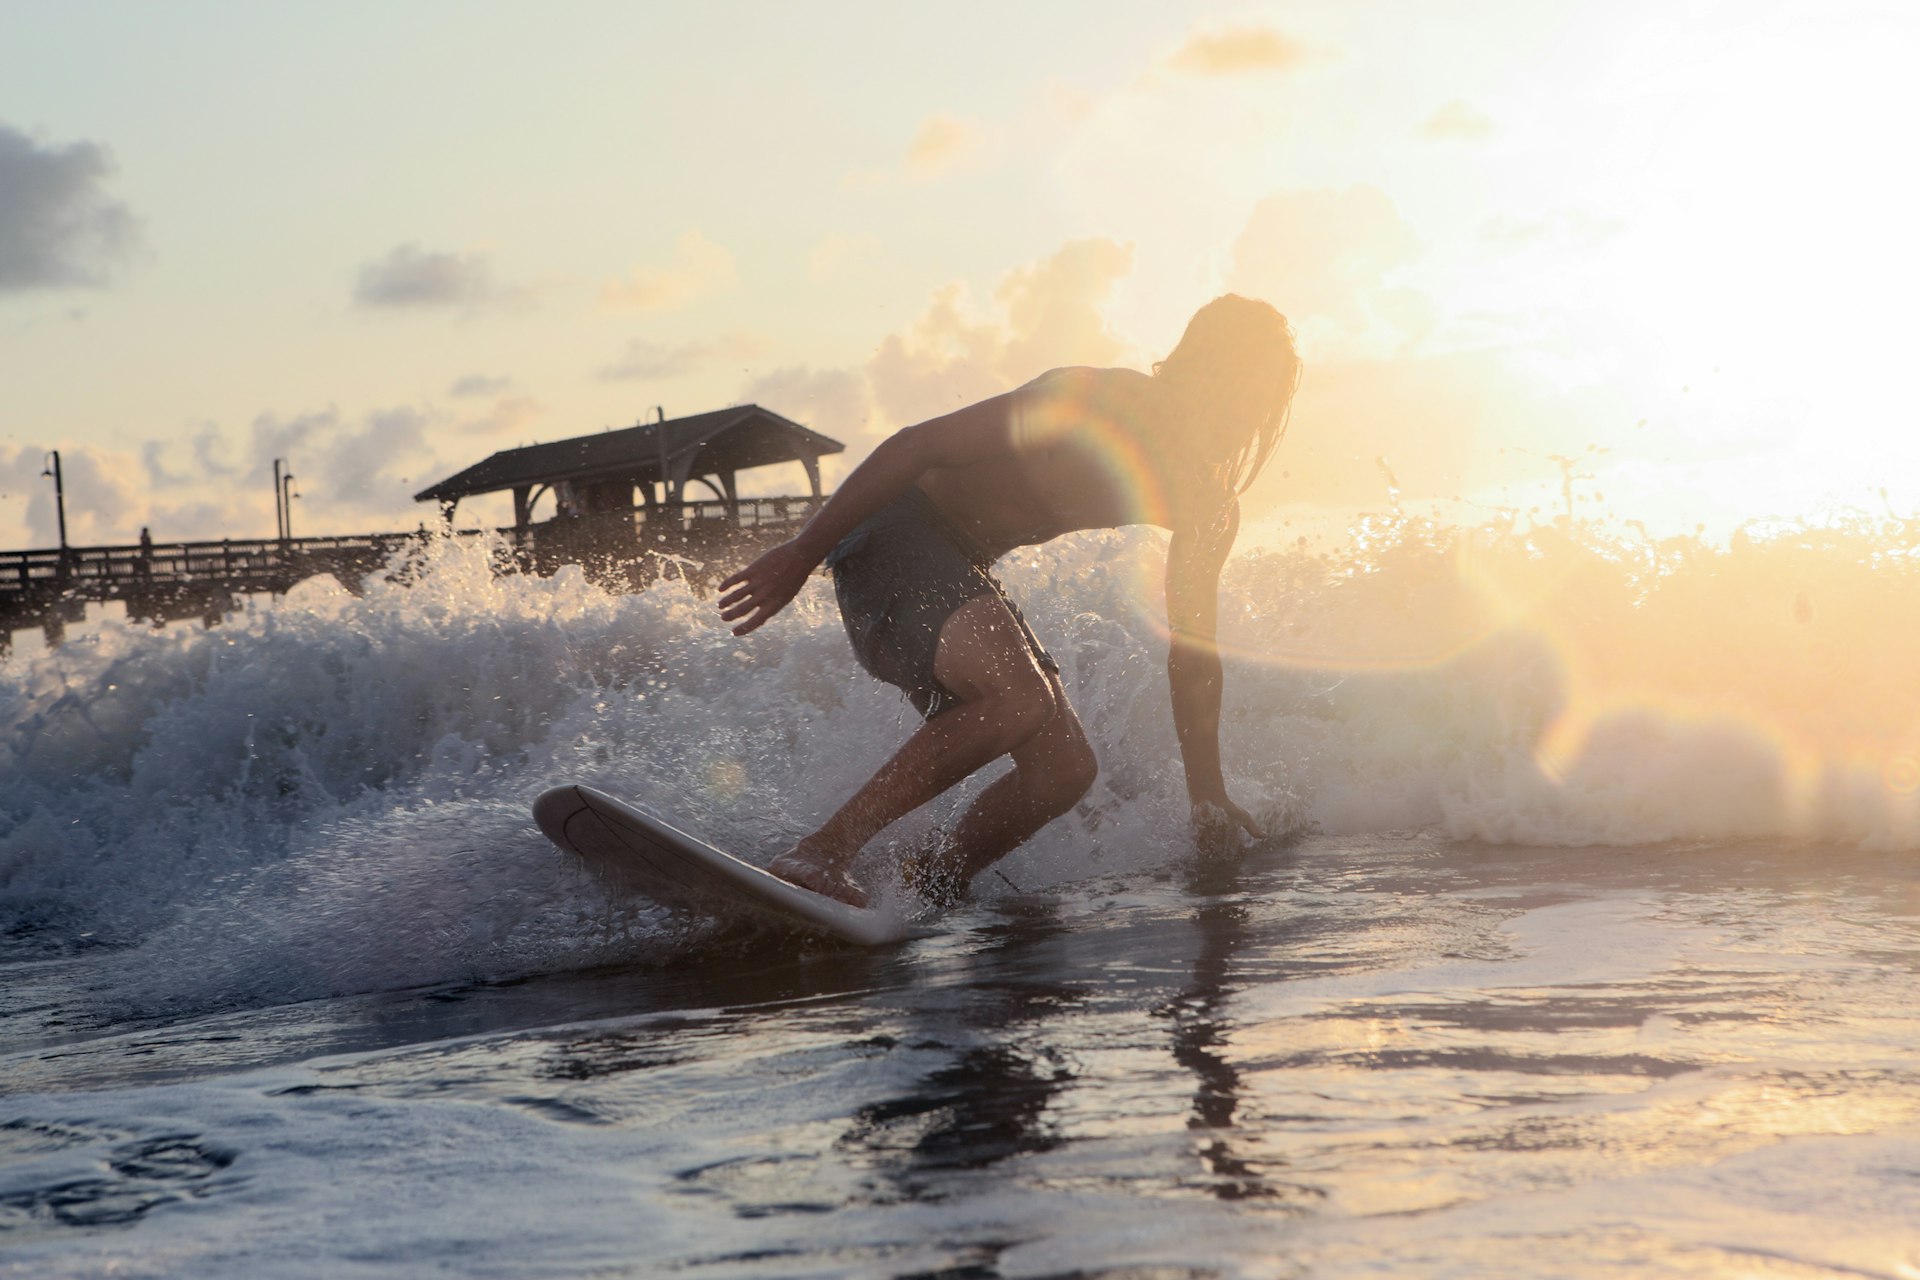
(657,460)
(594,481)
(162,582)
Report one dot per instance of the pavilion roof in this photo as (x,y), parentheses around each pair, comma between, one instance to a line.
(721,440)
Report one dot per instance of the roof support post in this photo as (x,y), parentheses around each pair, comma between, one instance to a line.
(811,461)
(522,508)
(682,470)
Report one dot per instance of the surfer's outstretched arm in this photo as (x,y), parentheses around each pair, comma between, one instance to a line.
(973,434)
(1194,673)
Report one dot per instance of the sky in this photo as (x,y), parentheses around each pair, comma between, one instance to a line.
(1655,258)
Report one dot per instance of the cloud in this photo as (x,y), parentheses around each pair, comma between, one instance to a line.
(645,359)
(699,267)
(1457,120)
(353,473)
(510,413)
(103,491)
(1054,307)
(1236,51)
(362,467)
(834,402)
(58,226)
(207,464)
(1325,258)
(837,402)
(942,141)
(1049,314)
(412,277)
(478,384)
(1044,314)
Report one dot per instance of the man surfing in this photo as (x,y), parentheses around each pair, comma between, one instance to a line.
(911,537)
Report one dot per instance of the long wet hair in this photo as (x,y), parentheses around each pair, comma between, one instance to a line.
(1238,369)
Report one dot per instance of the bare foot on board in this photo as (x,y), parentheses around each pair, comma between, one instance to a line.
(796,867)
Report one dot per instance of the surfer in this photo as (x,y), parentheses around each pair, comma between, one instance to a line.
(911,536)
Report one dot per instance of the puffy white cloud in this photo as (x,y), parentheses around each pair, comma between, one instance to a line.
(353,475)
(364,467)
(58,225)
(104,494)
(207,461)
(699,268)
(356,472)
(1049,313)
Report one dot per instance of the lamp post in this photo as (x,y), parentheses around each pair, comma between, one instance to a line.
(59,499)
(287,494)
(279,502)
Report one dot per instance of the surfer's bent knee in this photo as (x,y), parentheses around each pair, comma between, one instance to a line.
(1066,770)
(1079,768)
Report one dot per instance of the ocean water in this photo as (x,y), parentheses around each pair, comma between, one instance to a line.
(1585,943)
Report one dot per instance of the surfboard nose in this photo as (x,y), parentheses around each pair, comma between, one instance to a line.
(552,810)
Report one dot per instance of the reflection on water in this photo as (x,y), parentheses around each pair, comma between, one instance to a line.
(989,1101)
(1388,1055)
(1199,1044)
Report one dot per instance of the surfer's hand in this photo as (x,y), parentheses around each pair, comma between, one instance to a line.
(1216,821)
(764,587)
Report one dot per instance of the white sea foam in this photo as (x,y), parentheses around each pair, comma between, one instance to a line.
(329,793)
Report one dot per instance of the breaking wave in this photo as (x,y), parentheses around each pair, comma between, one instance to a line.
(329,792)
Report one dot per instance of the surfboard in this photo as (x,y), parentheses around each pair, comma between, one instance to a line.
(639,853)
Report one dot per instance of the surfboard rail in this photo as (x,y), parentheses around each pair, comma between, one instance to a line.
(640,853)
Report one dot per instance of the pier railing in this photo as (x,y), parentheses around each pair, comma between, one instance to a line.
(109,572)
(625,548)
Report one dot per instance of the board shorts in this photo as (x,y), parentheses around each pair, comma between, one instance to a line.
(898,577)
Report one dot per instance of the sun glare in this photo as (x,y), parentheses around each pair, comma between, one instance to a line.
(1738,263)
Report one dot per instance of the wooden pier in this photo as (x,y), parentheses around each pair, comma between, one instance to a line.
(622,550)
(619,503)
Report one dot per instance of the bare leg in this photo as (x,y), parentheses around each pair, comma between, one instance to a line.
(1050,773)
(1005,700)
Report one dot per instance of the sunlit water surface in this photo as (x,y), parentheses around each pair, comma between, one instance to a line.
(292,987)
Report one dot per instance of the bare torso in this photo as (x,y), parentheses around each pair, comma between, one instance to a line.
(1090,450)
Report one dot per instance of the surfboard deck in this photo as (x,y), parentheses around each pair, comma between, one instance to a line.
(641,853)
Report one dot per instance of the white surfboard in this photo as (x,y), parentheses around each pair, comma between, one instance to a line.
(641,853)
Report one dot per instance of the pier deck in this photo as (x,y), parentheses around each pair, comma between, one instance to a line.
(165,581)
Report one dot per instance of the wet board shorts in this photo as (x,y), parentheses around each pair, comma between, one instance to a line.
(899,576)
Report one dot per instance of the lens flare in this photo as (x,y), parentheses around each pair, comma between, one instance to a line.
(1758,682)
(1111,435)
